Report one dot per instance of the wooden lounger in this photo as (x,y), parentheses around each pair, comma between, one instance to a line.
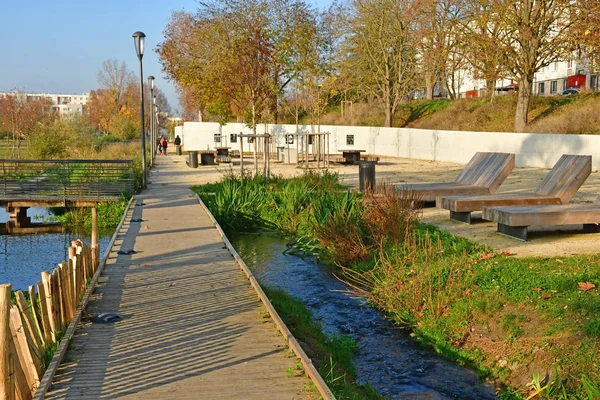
(558,187)
(514,221)
(482,175)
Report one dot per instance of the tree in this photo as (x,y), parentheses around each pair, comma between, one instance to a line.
(19,117)
(537,33)
(380,52)
(481,31)
(239,55)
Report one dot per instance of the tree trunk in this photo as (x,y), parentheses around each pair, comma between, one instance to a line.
(523,101)
(429,84)
(388,116)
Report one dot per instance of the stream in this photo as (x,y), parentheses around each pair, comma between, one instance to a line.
(387,358)
(23,257)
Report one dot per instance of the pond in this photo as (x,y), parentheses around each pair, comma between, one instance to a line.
(387,358)
(23,257)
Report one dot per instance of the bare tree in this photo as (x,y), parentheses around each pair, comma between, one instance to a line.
(381,58)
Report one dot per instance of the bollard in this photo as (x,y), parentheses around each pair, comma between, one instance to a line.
(193,161)
(366,175)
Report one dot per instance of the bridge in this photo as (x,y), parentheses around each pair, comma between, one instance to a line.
(62,183)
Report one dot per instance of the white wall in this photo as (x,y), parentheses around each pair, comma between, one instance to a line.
(532,150)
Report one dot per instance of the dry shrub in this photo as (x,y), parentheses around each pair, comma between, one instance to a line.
(343,238)
(391,214)
(416,283)
(360,114)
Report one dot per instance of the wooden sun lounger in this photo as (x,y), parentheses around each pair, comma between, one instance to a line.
(514,221)
(558,187)
(482,175)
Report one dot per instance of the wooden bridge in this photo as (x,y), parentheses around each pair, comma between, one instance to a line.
(78,183)
(193,325)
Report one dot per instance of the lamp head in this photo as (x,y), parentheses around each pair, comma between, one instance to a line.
(151,81)
(138,40)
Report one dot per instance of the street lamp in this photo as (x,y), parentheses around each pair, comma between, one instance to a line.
(155,116)
(152,141)
(138,39)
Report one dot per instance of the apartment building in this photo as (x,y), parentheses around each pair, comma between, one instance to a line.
(549,81)
(64,104)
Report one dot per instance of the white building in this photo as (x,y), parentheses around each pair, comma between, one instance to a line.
(550,80)
(64,104)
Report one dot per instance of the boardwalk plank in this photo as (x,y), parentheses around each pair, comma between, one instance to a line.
(191,326)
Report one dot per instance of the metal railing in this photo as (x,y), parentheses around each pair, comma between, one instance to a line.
(66,180)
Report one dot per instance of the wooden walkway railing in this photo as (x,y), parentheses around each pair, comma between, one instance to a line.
(34,322)
(65,180)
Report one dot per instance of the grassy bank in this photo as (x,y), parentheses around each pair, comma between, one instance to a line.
(548,114)
(531,325)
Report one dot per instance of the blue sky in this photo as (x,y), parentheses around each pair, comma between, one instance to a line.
(59,46)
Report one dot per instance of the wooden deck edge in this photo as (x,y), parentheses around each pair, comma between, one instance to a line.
(46,381)
(293,344)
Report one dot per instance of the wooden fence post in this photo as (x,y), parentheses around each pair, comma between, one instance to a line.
(7,385)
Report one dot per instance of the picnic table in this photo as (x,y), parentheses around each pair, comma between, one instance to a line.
(351,156)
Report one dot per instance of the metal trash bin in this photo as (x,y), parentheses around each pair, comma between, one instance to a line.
(178,150)
(366,175)
(193,161)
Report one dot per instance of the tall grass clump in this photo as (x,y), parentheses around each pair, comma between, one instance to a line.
(418,282)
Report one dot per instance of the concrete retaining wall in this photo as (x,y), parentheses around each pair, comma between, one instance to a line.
(532,150)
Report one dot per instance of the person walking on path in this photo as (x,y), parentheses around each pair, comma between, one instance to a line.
(177,141)
(164,145)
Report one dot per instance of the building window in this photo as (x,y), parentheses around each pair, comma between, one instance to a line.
(569,64)
(233,138)
(350,140)
(553,86)
(217,138)
(289,139)
(541,88)
(556,65)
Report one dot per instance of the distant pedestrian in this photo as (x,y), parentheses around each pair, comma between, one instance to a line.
(158,146)
(177,141)
(164,144)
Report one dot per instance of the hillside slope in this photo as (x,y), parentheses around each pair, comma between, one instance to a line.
(578,114)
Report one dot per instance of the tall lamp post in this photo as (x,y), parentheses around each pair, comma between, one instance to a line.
(138,39)
(152,140)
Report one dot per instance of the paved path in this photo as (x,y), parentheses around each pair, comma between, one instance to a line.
(192,327)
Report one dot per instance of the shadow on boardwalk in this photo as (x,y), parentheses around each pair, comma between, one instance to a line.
(191,326)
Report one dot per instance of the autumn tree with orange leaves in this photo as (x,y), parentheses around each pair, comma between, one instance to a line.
(19,117)
(238,57)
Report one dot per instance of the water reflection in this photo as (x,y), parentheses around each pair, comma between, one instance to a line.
(387,357)
(24,256)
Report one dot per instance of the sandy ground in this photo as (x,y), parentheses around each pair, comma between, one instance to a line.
(543,241)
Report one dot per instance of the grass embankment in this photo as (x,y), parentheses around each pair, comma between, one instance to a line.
(531,325)
(548,114)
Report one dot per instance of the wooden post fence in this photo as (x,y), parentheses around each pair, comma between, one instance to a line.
(29,327)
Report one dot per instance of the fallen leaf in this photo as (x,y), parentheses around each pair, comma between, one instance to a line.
(506,253)
(586,286)
(468,292)
(420,325)
(566,306)
(537,289)
(559,261)
(486,256)
(147,265)
(146,227)
(547,296)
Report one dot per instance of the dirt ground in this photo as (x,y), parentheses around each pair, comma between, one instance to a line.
(543,241)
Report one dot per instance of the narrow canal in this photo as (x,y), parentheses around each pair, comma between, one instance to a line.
(23,257)
(387,358)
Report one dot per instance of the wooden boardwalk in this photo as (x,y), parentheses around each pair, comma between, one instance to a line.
(192,326)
